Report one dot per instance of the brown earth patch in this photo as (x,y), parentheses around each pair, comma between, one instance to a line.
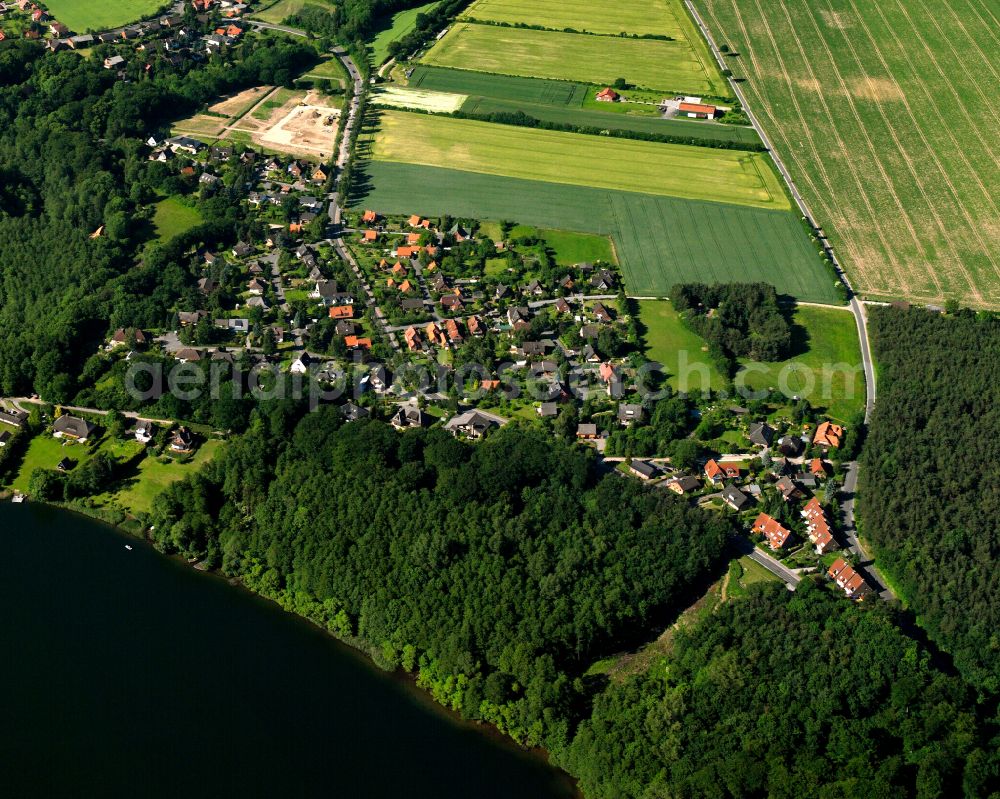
(879,90)
(237,103)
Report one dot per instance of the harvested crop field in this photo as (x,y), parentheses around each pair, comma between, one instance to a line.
(418,99)
(670,66)
(727,176)
(223,114)
(695,240)
(238,104)
(884,115)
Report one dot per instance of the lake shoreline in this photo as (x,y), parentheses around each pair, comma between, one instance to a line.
(356,648)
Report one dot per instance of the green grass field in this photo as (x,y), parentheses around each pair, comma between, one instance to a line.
(573,248)
(628,16)
(45,452)
(502,87)
(84,15)
(823,338)
(681,352)
(709,242)
(671,66)
(137,493)
(172,217)
(397,27)
(331,69)
(728,176)
(885,116)
(563,102)
(396,188)
(568,247)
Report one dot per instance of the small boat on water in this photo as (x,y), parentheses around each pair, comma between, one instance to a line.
(18,497)
(128,547)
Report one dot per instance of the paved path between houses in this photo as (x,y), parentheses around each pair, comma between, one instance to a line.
(779,570)
(18,402)
(335,211)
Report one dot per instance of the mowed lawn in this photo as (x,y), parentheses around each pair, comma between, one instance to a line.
(682,354)
(171,218)
(728,176)
(567,247)
(137,493)
(626,16)
(84,15)
(574,248)
(825,366)
(671,66)
(652,260)
(886,114)
(45,451)
(400,24)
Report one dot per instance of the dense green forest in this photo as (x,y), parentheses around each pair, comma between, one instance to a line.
(931,467)
(71,160)
(738,320)
(497,572)
(353,21)
(787,695)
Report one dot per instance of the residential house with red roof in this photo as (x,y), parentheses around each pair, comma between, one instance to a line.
(848,579)
(412,338)
(697,110)
(828,434)
(818,527)
(717,472)
(342,312)
(776,534)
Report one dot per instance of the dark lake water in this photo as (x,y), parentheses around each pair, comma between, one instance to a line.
(128,674)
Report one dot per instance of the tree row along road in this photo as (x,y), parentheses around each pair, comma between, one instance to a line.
(856,306)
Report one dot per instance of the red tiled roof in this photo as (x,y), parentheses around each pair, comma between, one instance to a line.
(342,312)
(828,434)
(772,529)
(697,108)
